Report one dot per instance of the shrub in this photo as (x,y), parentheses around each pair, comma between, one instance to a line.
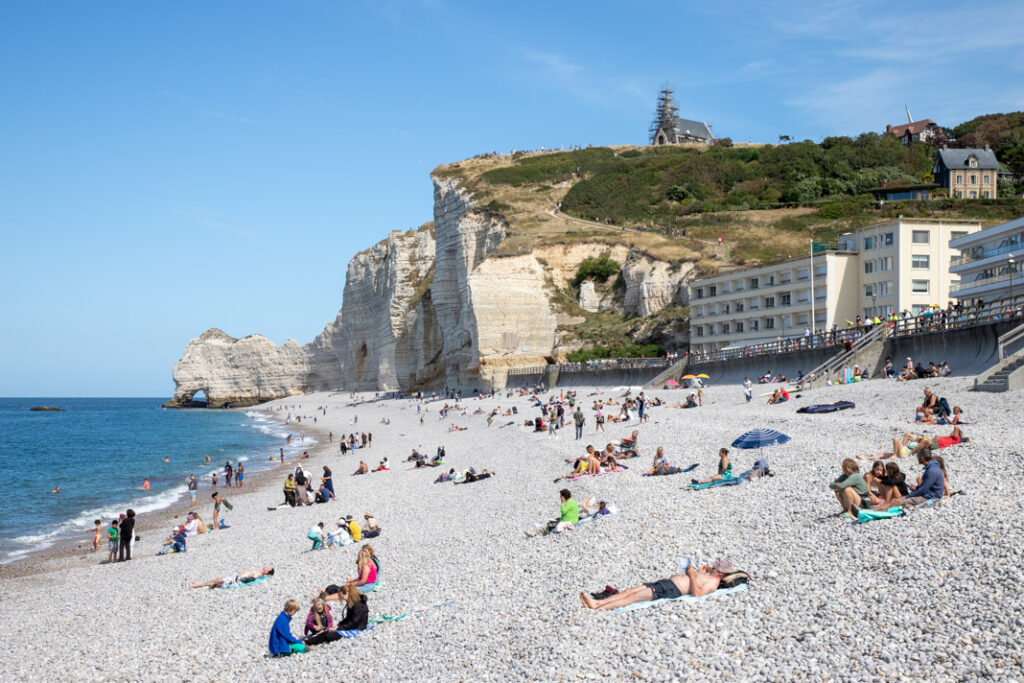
(598,269)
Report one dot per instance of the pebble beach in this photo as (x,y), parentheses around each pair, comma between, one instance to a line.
(934,595)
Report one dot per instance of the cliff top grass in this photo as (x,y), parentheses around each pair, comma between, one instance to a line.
(673,202)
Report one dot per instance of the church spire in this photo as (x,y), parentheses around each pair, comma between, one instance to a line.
(666,119)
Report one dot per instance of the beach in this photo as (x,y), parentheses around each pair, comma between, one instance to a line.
(933,595)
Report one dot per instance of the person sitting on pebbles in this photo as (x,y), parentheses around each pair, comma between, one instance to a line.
(357,614)
(851,490)
(362,469)
(724,468)
(660,465)
(695,582)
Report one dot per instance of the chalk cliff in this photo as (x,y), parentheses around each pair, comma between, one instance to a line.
(442,305)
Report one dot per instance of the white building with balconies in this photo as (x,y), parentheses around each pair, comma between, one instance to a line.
(989,263)
(890,267)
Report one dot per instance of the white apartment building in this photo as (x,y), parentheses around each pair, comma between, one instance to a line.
(895,266)
(988,266)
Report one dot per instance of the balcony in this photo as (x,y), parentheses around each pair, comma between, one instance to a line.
(975,284)
(999,251)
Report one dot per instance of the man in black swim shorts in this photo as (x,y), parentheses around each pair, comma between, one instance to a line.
(695,582)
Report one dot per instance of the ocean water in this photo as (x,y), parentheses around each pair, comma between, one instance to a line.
(99,451)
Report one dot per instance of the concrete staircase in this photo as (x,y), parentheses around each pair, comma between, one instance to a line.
(1008,373)
(866,352)
(673,372)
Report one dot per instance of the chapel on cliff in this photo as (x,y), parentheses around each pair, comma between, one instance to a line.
(668,129)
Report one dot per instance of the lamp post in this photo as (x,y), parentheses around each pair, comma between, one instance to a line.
(1010,261)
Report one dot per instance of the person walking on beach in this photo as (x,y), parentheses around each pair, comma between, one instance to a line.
(228,471)
(217,500)
(239,475)
(126,531)
(112,541)
(193,486)
(579,419)
(96,536)
(300,487)
(748,389)
(282,456)
(213,481)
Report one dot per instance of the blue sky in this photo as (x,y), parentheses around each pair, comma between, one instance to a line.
(169,167)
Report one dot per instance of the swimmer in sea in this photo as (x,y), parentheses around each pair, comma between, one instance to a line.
(166,459)
(56,489)
(207,457)
(145,484)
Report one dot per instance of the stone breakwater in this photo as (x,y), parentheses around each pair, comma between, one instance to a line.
(933,596)
(432,307)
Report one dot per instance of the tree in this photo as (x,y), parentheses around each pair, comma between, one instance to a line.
(784,138)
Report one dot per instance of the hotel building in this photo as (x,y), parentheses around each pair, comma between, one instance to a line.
(988,265)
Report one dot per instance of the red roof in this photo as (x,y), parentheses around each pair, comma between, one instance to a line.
(914,128)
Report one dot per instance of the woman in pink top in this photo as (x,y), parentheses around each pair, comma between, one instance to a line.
(366,582)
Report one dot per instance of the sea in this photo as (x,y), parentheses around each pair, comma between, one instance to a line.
(99,451)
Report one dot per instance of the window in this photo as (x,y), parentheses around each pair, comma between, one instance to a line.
(883,288)
(953,284)
(869,290)
(712,290)
(918,309)
(985,194)
(753,283)
(888,239)
(959,194)
(986,179)
(769,302)
(869,267)
(868,313)
(754,325)
(711,330)
(974,179)
(974,162)
(920,236)
(869,243)
(919,286)
(739,306)
(956,234)
(819,271)
(725,308)
(802,274)
(786,299)
(959,178)
(700,292)
(699,330)
(920,261)
(884,264)
(771,281)
(725,328)
(769,323)
(974,194)
(739,327)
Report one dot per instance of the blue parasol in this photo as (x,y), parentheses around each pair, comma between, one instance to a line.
(760,438)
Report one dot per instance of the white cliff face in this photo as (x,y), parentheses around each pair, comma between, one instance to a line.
(383,286)
(432,307)
(251,370)
(652,285)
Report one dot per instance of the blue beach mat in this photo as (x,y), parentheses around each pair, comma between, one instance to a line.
(683,598)
(244,585)
(353,634)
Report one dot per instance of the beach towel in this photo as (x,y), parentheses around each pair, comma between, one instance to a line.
(721,482)
(581,476)
(827,407)
(865,516)
(683,598)
(386,619)
(243,585)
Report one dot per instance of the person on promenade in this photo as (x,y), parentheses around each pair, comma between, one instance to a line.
(357,614)
(851,490)
(282,642)
(695,582)
(237,579)
(126,531)
(724,468)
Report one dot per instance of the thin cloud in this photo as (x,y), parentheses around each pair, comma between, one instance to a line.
(213,220)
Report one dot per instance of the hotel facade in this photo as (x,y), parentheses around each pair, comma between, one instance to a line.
(988,265)
(896,266)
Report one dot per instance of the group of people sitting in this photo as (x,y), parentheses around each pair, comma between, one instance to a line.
(608,460)
(885,485)
(421,460)
(910,370)
(320,625)
(363,468)
(298,488)
(349,531)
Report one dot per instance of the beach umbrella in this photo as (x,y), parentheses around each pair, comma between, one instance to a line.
(703,376)
(760,438)
(688,377)
(672,383)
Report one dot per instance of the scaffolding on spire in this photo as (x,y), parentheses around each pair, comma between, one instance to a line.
(666,119)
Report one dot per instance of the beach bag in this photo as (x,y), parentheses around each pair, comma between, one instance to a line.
(734,579)
(942,407)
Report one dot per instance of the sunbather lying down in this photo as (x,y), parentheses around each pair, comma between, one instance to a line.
(695,582)
(912,444)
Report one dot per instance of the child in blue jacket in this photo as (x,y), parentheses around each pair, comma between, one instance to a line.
(282,642)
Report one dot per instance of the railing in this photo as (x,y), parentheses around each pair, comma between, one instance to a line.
(838,361)
(987,281)
(1011,337)
(614,364)
(968,258)
(819,340)
(529,370)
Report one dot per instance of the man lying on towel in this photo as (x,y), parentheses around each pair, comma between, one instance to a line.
(695,582)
